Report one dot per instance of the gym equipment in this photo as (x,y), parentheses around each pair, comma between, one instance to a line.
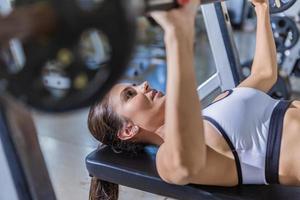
(282,88)
(148,64)
(140,173)
(78,65)
(84,57)
(237,12)
(23,171)
(285,32)
(289,59)
(277,6)
(19,144)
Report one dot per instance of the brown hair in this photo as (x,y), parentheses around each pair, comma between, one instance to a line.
(104,124)
(103,190)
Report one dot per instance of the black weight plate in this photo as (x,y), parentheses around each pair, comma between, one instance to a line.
(285,32)
(284,5)
(114,19)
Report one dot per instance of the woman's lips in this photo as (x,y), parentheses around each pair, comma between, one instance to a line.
(155,94)
(159,94)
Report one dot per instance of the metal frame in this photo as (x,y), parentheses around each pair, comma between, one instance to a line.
(8,190)
(228,74)
(26,174)
(240,9)
(16,178)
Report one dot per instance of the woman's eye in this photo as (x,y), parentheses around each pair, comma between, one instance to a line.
(129,94)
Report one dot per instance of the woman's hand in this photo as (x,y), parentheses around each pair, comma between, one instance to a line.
(182,18)
(260,2)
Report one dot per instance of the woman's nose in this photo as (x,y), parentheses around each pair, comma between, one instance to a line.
(145,86)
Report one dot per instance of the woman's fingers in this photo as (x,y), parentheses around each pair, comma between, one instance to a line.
(255,2)
(177,17)
(183,2)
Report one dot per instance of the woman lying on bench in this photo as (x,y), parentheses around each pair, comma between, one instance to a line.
(244,137)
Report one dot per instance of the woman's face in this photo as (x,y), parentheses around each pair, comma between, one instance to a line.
(141,104)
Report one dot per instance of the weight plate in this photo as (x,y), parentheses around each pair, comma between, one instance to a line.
(82,61)
(285,32)
(278,6)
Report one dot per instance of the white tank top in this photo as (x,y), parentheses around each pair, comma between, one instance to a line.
(243,119)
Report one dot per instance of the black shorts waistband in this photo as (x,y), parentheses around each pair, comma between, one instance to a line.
(274,142)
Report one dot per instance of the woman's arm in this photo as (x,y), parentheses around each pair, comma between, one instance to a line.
(264,69)
(184,151)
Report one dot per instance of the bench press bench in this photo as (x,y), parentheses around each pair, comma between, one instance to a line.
(140,173)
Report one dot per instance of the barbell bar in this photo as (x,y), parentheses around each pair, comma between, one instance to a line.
(276,6)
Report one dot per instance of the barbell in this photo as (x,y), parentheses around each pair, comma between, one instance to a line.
(276,6)
(76,57)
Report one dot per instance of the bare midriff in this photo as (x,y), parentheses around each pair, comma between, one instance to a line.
(289,162)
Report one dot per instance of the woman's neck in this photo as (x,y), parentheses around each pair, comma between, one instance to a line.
(155,137)
(160,132)
(159,139)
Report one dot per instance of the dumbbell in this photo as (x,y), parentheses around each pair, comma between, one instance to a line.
(74,65)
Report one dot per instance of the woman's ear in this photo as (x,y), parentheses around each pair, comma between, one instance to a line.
(128,131)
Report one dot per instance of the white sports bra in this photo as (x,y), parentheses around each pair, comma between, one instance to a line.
(243,119)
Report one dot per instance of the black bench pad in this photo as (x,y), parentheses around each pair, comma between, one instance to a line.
(140,173)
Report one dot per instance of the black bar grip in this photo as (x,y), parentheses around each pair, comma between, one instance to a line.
(151,5)
(210,1)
